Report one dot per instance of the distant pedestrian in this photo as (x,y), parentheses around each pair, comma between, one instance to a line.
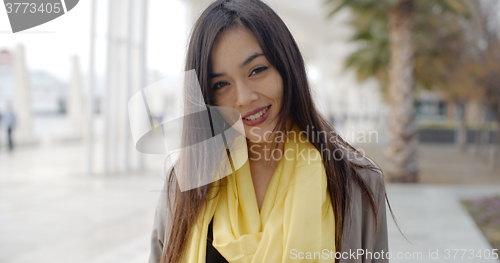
(9,120)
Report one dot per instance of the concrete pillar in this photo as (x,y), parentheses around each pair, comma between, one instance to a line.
(76,111)
(125,76)
(157,102)
(24,132)
(91,90)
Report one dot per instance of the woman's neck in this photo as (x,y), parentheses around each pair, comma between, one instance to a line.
(265,152)
(263,158)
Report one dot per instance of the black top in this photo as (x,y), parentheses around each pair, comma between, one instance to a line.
(213,255)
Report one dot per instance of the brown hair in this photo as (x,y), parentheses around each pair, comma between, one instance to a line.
(283,53)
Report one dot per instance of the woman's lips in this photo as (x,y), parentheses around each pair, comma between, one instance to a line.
(259,120)
(252,112)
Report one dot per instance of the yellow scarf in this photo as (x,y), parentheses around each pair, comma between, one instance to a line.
(296,215)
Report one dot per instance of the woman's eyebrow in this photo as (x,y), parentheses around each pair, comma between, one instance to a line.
(248,60)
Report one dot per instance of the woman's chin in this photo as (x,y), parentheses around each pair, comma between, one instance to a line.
(253,139)
(259,138)
(259,134)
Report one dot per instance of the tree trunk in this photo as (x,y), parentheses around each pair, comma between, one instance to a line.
(485,136)
(461,137)
(495,151)
(482,135)
(496,148)
(477,133)
(402,151)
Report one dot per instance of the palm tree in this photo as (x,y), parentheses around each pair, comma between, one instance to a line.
(387,29)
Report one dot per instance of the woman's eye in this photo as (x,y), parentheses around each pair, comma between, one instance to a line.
(219,85)
(258,70)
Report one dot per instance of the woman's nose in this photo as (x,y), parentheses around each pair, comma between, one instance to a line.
(245,95)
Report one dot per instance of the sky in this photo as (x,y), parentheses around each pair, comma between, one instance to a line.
(50,46)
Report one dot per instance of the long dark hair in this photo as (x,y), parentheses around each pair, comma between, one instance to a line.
(282,52)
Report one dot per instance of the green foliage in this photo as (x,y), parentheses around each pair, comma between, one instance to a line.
(437,39)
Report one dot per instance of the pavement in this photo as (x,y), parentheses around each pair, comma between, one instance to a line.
(433,220)
(52,211)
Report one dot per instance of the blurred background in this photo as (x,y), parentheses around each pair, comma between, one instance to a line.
(413,84)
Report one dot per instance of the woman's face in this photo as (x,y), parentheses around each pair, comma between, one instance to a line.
(243,79)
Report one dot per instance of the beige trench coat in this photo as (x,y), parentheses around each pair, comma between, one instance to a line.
(361,236)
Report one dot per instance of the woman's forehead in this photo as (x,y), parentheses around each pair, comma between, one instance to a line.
(232,47)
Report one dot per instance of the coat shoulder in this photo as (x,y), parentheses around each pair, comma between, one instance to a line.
(371,172)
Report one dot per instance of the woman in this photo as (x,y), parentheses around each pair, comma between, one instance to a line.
(282,205)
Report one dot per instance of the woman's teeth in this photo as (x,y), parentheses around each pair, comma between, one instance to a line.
(256,115)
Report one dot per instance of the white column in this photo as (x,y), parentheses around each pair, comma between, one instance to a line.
(76,111)
(125,76)
(143,63)
(23,133)
(116,85)
(91,90)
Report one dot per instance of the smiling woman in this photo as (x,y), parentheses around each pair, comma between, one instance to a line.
(310,192)
(244,79)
